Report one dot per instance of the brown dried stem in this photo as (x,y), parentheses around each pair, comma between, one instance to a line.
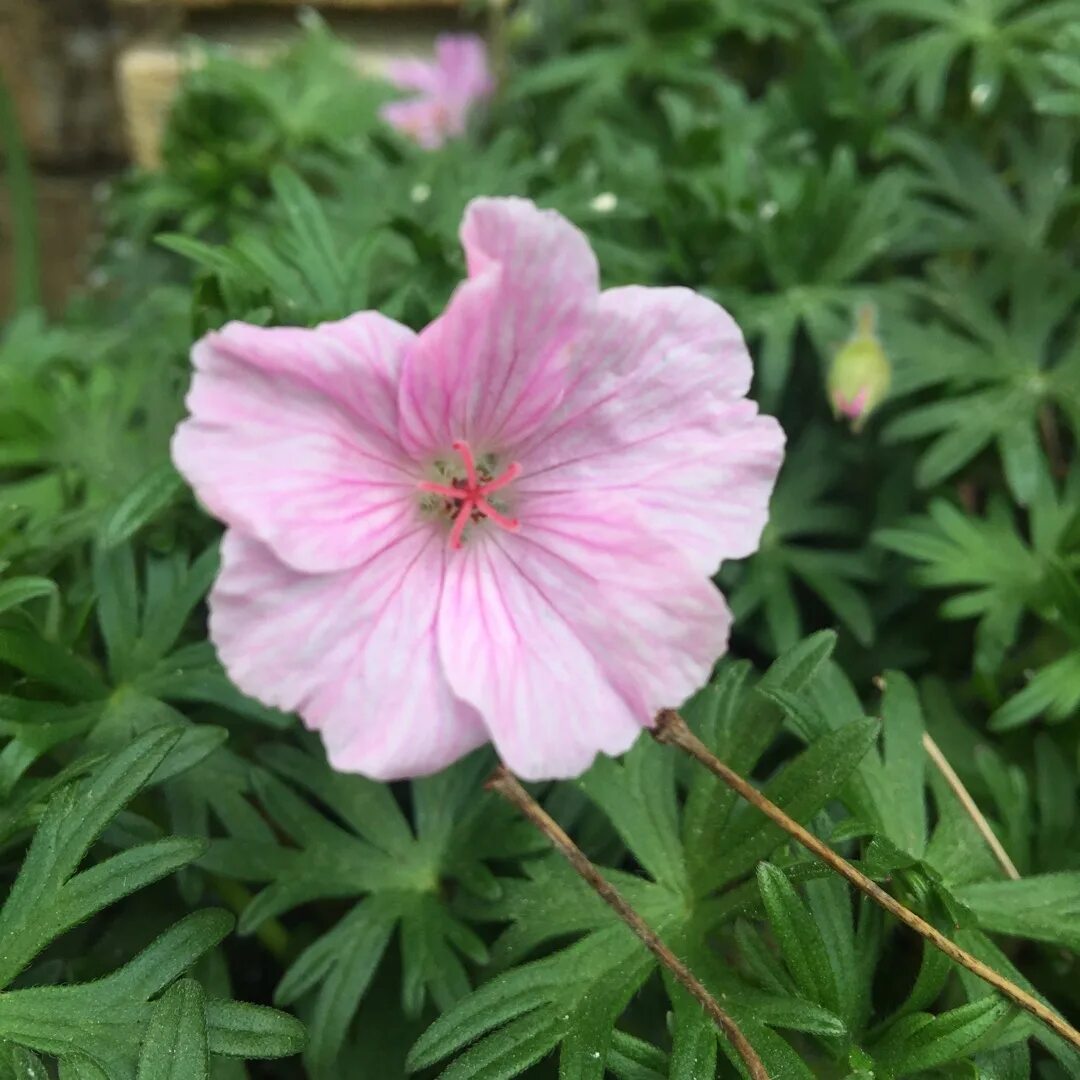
(506,784)
(963,796)
(1051,437)
(672,730)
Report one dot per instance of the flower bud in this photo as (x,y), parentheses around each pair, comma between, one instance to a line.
(860,374)
(521,27)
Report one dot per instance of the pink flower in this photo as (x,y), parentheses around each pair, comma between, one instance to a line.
(447,89)
(500,528)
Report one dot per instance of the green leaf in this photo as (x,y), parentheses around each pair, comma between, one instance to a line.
(902,782)
(511,1050)
(694,1051)
(146,500)
(342,964)
(803,787)
(1045,907)
(573,997)
(175,1045)
(20,590)
(45,896)
(26,1065)
(631,1058)
(799,938)
(50,664)
(238,1029)
(504,999)
(639,799)
(920,1042)
(738,727)
(1054,690)
(103,884)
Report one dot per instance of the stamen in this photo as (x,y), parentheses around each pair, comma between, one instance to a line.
(441,489)
(467,499)
(463,448)
(511,473)
(485,508)
(459,527)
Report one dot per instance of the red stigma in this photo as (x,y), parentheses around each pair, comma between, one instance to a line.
(468,497)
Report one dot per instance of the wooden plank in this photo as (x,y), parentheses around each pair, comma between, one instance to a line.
(67,219)
(57,58)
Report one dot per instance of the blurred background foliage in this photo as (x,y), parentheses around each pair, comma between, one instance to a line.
(793,159)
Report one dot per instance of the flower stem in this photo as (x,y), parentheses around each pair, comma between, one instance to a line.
(672,730)
(504,783)
(963,796)
(274,936)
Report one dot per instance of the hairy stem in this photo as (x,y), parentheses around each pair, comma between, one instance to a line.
(963,796)
(506,784)
(672,730)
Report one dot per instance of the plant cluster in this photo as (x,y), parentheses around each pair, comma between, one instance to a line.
(795,160)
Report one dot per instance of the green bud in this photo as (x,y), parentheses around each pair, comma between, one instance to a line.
(521,27)
(859,378)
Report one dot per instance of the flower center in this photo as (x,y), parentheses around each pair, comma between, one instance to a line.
(467,497)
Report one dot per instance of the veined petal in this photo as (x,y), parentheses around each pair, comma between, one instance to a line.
(293,439)
(569,636)
(509,651)
(353,652)
(492,368)
(656,411)
(656,623)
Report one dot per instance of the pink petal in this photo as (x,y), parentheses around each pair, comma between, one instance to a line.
(463,62)
(657,623)
(293,438)
(492,367)
(353,652)
(509,652)
(448,89)
(414,74)
(569,636)
(425,120)
(657,412)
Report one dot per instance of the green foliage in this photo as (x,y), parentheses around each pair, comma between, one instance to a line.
(1009,581)
(793,159)
(104,1027)
(402,871)
(994,40)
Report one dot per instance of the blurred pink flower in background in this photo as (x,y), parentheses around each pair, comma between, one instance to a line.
(501,528)
(446,89)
